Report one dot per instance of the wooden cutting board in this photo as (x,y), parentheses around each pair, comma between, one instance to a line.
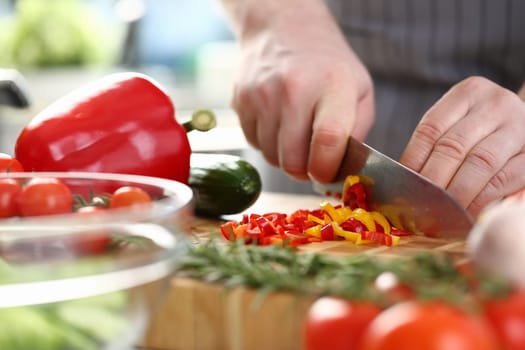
(195,315)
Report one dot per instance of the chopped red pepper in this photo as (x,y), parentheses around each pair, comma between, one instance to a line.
(348,221)
(355,196)
(397,232)
(327,232)
(353,225)
(379,238)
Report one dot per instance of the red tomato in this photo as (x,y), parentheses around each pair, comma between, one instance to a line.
(334,323)
(91,242)
(416,325)
(127,196)
(44,196)
(394,290)
(9,191)
(507,317)
(9,164)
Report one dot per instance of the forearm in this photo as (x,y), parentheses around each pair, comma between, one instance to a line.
(250,17)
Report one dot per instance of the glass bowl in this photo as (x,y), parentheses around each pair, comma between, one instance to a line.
(55,294)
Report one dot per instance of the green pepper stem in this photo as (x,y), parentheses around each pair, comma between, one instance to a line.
(201,120)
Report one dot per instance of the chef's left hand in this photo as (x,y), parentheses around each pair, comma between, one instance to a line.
(472,143)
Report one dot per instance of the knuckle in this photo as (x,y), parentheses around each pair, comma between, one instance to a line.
(293,86)
(473,83)
(428,132)
(451,147)
(328,137)
(499,181)
(486,161)
(477,205)
(495,190)
(266,93)
(241,96)
(501,100)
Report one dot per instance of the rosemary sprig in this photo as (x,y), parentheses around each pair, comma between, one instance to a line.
(276,268)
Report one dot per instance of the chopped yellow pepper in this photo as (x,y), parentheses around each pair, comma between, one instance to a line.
(313,231)
(348,235)
(332,212)
(365,218)
(381,220)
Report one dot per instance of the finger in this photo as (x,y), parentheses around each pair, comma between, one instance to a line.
(448,131)
(481,164)
(456,146)
(269,105)
(334,121)
(509,181)
(294,137)
(365,116)
(518,195)
(241,103)
(452,107)
(469,144)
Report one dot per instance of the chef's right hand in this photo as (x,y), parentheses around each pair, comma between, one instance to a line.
(301,91)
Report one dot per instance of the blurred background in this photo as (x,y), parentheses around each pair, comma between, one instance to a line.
(48,48)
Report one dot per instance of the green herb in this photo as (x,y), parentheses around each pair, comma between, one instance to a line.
(275,268)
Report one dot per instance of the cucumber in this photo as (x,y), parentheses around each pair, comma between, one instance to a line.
(222,184)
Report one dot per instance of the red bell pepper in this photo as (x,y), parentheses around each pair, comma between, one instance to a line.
(122,123)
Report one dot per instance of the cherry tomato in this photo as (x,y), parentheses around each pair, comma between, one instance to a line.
(507,317)
(416,325)
(129,195)
(44,196)
(393,289)
(9,164)
(91,243)
(9,191)
(334,323)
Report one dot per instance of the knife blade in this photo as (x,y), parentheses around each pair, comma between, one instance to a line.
(409,200)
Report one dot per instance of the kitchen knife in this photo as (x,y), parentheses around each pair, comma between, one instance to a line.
(410,201)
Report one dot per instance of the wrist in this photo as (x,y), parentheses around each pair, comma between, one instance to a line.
(248,18)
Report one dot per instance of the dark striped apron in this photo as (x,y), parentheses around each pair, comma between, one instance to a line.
(417,49)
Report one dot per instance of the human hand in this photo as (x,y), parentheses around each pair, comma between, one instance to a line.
(301,92)
(472,143)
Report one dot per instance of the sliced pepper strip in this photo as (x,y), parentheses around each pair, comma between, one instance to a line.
(313,231)
(382,221)
(315,219)
(332,212)
(380,238)
(347,235)
(365,217)
(351,221)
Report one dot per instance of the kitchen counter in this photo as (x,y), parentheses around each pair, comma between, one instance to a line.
(196,315)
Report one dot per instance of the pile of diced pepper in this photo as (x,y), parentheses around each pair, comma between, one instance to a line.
(351,220)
